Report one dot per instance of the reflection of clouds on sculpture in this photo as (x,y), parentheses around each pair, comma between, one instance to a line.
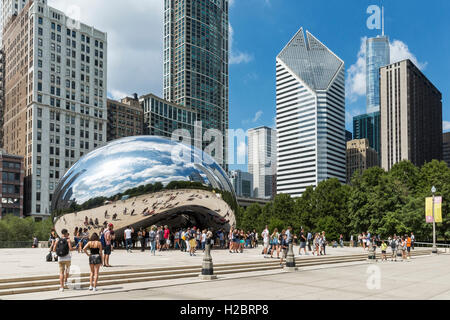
(137,161)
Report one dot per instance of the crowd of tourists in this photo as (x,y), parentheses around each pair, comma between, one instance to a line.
(275,244)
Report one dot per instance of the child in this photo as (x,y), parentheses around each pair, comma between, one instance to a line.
(383,250)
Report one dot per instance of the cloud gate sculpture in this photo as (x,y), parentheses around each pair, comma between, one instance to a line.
(143,181)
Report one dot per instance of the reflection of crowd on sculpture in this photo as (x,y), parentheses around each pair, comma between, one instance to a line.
(119,209)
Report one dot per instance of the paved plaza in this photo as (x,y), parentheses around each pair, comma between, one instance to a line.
(424,277)
(31,262)
(421,278)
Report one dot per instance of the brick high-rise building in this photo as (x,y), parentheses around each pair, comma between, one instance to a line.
(125,118)
(2,94)
(11,184)
(360,156)
(411,116)
(55,96)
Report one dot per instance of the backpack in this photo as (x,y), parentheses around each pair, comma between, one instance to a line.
(62,248)
(102,240)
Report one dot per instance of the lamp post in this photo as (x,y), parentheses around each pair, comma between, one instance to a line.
(434,249)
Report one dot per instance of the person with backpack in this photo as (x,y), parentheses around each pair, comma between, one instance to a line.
(394,245)
(62,249)
(95,259)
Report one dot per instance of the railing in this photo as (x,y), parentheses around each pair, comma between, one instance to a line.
(15,244)
(430,244)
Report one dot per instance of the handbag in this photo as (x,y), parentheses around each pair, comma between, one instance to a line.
(49,257)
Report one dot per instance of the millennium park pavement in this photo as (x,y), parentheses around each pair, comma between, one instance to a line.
(424,277)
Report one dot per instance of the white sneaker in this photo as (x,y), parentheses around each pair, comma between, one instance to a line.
(90,288)
(94,289)
(61,289)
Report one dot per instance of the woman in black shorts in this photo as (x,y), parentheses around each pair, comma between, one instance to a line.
(95,259)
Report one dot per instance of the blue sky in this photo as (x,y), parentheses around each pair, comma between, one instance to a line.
(261,28)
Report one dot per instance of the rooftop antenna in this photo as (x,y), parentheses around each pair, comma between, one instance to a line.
(382,21)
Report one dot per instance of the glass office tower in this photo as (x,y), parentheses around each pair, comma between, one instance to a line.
(196,62)
(377,56)
(367,126)
(310,88)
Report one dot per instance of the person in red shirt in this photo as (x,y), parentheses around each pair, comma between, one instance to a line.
(166,237)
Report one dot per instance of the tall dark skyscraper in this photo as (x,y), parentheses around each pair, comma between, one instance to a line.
(196,62)
(411,116)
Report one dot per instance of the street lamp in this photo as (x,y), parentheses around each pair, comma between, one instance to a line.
(434,249)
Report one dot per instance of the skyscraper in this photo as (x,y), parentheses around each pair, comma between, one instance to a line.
(9,8)
(125,118)
(310,87)
(196,62)
(262,160)
(377,56)
(411,116)
(55,96)
(446,148)
(242,183)
(367,126)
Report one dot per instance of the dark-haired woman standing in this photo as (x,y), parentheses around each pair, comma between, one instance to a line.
(95,259)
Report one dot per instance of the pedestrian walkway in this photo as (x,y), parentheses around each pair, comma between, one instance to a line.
(31,262)
(421,278)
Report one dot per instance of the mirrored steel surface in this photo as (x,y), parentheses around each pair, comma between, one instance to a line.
(142,181)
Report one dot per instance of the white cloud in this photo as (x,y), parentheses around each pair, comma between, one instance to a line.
(241,150)
(353,112)
(257,116)
(400,51)
(135,41)
(117,94)
(236,56)
(255,119)
(446,125)
(356,74)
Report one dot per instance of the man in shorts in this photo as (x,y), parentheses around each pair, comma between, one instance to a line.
(408,246)
(107,249)
(394,245)
(302,239)
(166,237)
(62,249)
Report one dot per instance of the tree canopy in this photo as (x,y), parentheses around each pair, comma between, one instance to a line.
(377,201)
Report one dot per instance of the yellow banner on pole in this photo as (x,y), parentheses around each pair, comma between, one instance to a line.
(437,209)
(429,210)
